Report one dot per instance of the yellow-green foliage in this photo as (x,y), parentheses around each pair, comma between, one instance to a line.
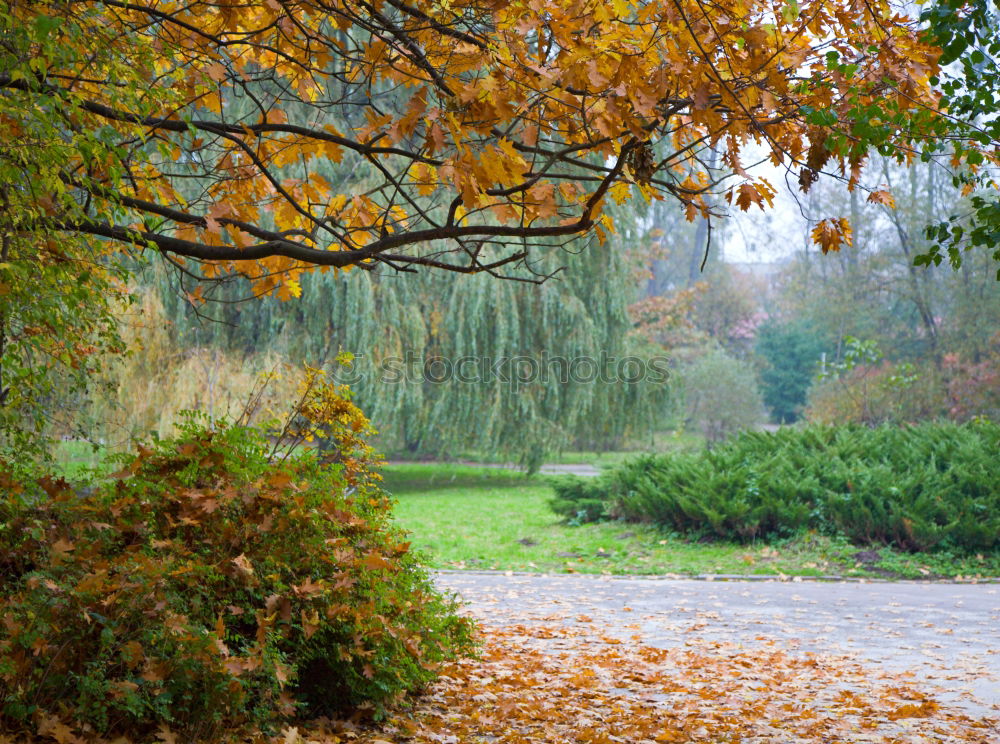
(145,392)
(886,393)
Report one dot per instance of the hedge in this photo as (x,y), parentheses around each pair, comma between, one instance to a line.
(933,486)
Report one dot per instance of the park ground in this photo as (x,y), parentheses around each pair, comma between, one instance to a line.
(602,659)
(616,653)
(600,633)
(467,517)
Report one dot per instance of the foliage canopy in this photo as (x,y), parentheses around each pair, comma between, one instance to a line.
(453,134)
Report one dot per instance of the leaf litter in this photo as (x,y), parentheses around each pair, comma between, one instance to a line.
(550,673)
(551,683)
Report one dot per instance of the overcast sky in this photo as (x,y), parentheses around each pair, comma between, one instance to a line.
(771,234)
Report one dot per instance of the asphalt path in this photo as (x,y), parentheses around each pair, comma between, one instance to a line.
(945,637)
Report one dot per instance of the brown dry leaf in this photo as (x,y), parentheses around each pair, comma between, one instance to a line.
(310,623)
(831,234)
(308,588)
(882,196)
(564,683)
(244,567)
(279,480)
(62,545)
(50,726)
(155,672)
(235,666)
(374,561)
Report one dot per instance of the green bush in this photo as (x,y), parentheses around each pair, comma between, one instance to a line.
(920,488)
(210,590)
(579,499)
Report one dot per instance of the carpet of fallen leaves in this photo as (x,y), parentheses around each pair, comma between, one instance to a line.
(557,683)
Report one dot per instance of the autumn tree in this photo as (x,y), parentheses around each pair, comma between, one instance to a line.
(265,139)
(485,129)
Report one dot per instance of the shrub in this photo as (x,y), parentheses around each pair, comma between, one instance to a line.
(927,487)
(722,396)
(866,389)
(208,588)
(974,386)
(579,499)
(883,393)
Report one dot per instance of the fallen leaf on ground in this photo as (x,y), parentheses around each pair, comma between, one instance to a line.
(547,684)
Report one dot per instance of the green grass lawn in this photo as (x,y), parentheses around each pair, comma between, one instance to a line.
(510,527)
(75,459)
(427,476)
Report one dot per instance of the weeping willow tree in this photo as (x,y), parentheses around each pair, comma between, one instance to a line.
(512,369)
(447,364)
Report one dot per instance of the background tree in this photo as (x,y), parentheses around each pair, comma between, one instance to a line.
(59,293)
(967,33)
(509,369)
(932,324)
(791,353)
(722,396)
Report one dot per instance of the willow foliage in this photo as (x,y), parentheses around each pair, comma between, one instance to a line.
(444,366)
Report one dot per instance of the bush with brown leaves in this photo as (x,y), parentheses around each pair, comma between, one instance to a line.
(209,590)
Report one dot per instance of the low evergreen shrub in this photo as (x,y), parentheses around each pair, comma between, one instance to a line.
(918,488)
(580,499)
(208,589)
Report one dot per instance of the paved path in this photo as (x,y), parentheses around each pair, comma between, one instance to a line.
(580,469)
(585,471)
(947,636)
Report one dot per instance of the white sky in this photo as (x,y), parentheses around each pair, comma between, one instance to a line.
(771,234)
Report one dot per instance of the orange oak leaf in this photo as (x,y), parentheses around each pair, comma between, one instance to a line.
(831,234)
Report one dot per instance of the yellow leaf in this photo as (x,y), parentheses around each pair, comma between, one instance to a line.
(831,234)
(881,196)
(288,289)
(620,192)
